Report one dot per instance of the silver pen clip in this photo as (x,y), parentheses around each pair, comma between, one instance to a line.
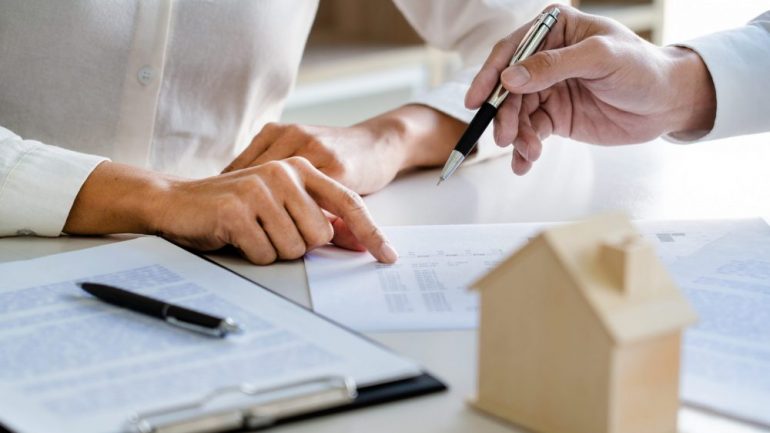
(528,45)
(227,326)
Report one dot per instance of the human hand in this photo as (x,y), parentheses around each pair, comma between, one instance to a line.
(594,81)
(363,158)
(273,211)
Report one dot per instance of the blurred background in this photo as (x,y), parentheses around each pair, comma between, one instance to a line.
(363,57)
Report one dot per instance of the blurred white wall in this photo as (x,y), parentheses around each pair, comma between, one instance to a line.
(686,19)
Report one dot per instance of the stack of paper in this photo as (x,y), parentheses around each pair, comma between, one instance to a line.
(428,287)
(722,266)
(69,363)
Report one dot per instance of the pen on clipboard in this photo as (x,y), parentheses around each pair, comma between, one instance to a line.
(173,314)
(528,46)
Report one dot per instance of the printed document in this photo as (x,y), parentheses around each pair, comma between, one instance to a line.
(427,289)
(726,359)
(70,363)
(722,266)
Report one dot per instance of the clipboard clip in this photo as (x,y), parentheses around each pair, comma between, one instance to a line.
(247,407)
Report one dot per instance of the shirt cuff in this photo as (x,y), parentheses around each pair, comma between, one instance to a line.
(40,186)
(738,61)
(449,98)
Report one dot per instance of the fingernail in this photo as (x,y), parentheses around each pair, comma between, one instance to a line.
(516,76)
(388,253)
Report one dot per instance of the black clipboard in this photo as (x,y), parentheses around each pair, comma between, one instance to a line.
(331,394)
(363,397)
(421,385)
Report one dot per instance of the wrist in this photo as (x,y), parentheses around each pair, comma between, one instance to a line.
(390,133)
(421,136)
(155,205)
(117,198)
(694,95)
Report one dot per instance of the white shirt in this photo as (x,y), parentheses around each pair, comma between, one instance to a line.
(179,86)
(739,63)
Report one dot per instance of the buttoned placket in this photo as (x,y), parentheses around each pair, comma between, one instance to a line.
(142,83)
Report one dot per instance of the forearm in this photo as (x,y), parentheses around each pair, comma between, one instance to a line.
(737,60)
(421,136)
(117,198)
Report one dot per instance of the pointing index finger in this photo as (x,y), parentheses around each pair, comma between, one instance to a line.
(349,206)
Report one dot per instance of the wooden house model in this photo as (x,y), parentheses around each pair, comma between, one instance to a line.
(580,333)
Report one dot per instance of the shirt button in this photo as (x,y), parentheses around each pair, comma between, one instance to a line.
(145,75)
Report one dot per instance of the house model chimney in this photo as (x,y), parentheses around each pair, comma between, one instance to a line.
(630,261)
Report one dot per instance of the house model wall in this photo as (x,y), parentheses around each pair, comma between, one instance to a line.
(580,332)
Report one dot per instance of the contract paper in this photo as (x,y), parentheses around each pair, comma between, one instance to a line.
(425,289)
(722,266)
(428,288)
(726,359)
(69,363)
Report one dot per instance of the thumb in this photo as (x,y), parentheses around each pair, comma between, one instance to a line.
(546,68)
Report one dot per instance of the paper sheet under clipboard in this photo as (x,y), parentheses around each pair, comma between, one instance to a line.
(69,363)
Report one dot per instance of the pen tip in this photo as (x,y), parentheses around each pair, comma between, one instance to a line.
(229,325)
(439,181)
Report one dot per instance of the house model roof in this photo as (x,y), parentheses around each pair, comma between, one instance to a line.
(657,308)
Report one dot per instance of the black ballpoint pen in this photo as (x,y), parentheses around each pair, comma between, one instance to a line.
(531,43)
(173,314)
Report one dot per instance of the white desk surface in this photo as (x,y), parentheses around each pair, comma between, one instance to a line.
(658,180)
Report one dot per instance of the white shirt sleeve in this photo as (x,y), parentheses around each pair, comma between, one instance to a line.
(739,63)
(470,28)
(38,184)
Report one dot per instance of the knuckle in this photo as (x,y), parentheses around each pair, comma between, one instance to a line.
(258,251)
(547,59)
(317,147)
(276,170)
(294,251)
(298,162)
(334,165)
(500,44)
(295,129)
(320,237)
(605,49)
(375,233)
(265,257)
(230,208)
(503,44)
(271,126)
(600,44)
(250,186)
(351,200)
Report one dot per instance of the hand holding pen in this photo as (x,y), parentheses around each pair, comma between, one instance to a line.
(594,81)
(528,45)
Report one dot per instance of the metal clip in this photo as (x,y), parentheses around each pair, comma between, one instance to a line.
(246,406)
